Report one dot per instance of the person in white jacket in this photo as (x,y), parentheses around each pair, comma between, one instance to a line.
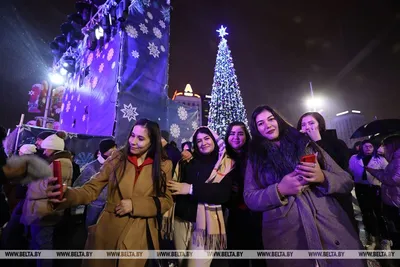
(367,189)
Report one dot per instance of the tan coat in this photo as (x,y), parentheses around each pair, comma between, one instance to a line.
(128,232)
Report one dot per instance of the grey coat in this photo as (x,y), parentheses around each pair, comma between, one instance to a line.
(312,220)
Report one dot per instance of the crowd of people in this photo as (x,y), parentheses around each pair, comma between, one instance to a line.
(246,191)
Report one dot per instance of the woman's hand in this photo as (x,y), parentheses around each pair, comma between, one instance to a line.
(310,172)
(291,184)
(179,188)
(53,191)
(124,207)
(314,134)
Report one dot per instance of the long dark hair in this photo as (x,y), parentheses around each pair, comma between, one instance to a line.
(260,146)
(244,149)
(155,152)
(318,117)
(204,130)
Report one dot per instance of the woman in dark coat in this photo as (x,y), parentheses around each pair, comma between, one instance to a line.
(299,211)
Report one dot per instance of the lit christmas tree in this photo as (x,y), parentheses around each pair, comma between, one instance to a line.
(226,101)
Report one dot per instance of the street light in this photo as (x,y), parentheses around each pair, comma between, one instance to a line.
(314,103)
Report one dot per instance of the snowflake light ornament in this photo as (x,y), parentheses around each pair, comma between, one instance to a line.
(101,67)
(68,106)
(135,54)
(84,117)
(175,130)
(153,50)
(113,65)
(157,32)
(131,31)
(182,113)
(162,48)
(89,59)
(162,24)
(130,112)
(143,28)
(149,15)
(31,92)
(110,54)
(195,125)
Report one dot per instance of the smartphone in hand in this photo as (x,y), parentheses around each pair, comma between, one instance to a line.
(309,158)
(58,175)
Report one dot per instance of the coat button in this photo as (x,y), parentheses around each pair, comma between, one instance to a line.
(337,243)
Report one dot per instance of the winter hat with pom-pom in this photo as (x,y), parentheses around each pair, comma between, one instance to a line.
(55,141)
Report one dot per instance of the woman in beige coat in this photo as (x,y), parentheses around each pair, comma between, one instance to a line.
(134,175)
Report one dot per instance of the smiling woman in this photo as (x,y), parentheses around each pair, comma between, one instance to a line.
(296,198)
(135,174)
(204,184)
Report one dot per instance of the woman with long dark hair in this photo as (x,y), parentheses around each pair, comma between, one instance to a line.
(203,186)
(134,174)
(244,226)
(368,190)
(299,211)
(313,125)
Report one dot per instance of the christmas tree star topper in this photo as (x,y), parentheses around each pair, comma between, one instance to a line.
(222,32)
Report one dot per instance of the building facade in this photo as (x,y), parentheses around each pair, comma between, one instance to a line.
(346,123)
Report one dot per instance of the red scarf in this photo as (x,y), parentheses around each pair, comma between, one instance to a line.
(133,160)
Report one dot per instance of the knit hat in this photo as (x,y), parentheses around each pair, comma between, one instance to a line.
(27,149)
(106,144)
(44,135)
(54,142)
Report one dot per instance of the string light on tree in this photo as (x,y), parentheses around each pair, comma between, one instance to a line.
(226,100)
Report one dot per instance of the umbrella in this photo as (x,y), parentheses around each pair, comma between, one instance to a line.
(381,127)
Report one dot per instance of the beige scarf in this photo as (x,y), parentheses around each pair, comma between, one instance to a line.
(209,229)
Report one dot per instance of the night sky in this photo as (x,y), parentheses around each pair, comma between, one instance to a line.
(350,50)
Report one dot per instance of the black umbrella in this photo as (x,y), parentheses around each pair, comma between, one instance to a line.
(381,127)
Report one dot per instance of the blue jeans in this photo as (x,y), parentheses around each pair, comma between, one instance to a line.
(42,239)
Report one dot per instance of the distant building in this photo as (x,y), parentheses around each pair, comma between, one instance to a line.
(190,99)
(205,104)
(346,123)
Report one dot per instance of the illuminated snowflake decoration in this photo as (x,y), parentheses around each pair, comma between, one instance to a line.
(184,140)
(61,121)
(31,92)
(74,108)
(110,54)
(145,20)
(153,50)
(84,117)
(143,28)
(130,112)
(162,24)
(89,59)
(106,46)
(101,67)
(66,96)
(68,106)
(174,130)
(62,107)
(135,54)
(79,98)
(182,113)
(113,65)
(95,80)
(131,31)
(83,158)
(149,15)
(195,125)
(162,48)
(157,32)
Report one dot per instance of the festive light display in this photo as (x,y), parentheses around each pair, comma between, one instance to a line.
(226,101)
